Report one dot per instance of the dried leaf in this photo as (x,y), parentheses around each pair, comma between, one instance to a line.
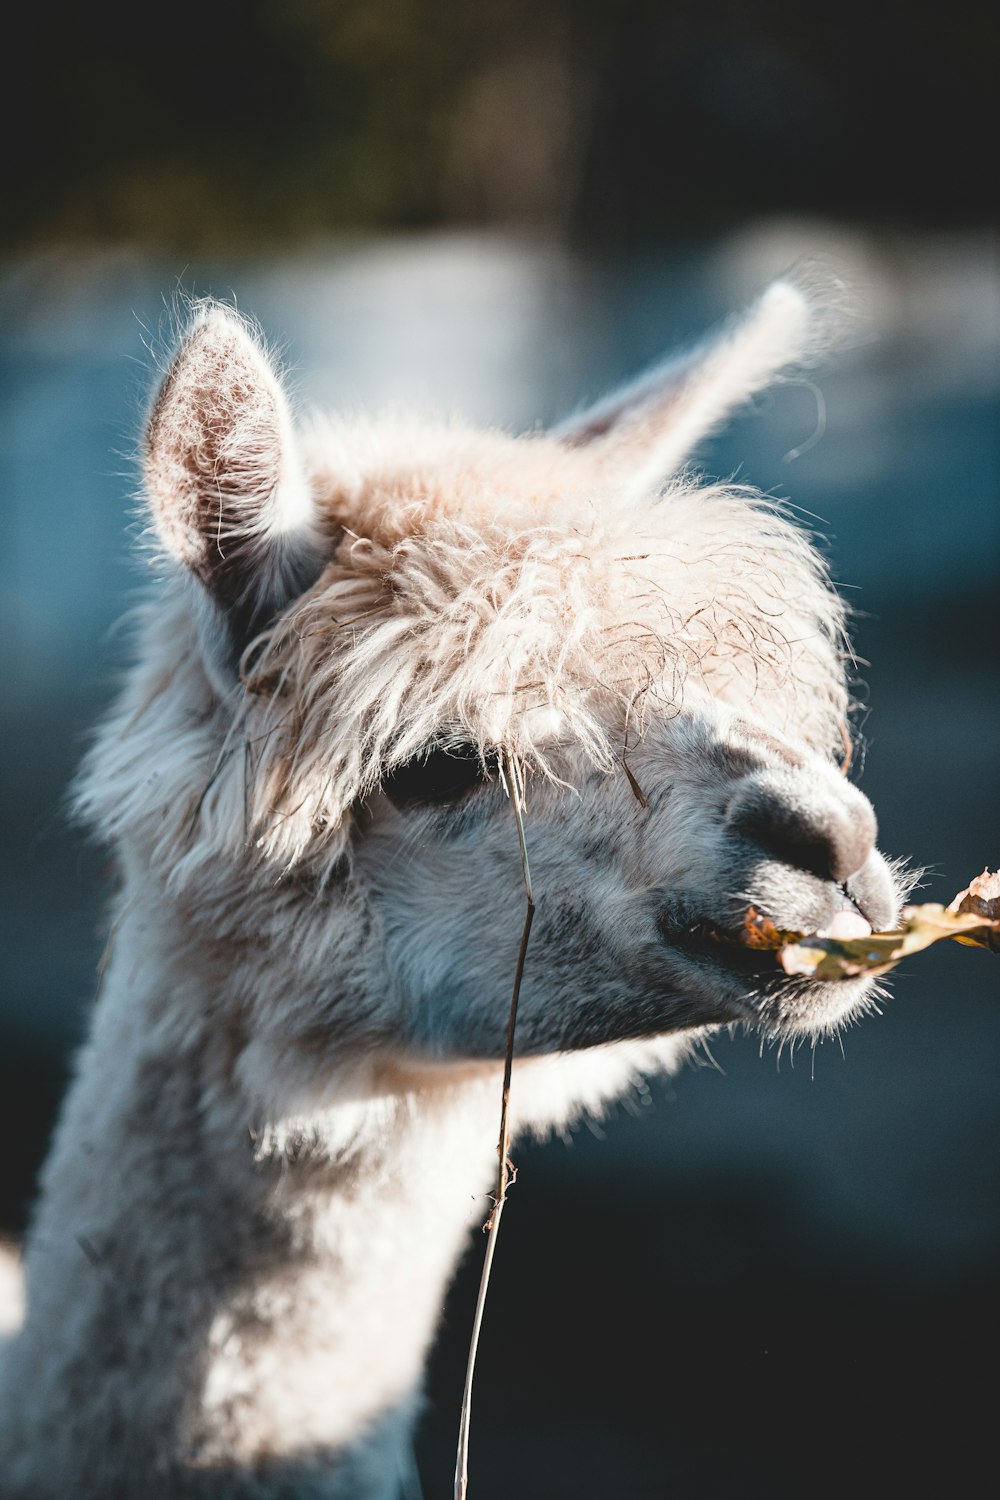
(973,918)
(760,932)
(981,895)
(833,958)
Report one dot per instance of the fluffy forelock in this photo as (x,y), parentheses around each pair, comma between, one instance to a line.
(489,591)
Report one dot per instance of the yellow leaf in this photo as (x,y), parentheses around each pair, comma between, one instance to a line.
(972,918)
(837,958)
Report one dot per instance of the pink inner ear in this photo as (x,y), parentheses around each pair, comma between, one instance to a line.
(213,455)
(218,459)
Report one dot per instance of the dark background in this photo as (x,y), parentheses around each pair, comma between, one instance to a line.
(776,1278)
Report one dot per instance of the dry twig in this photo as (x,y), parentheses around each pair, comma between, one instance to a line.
(506,1172)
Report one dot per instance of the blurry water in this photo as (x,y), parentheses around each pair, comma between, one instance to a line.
(869,1168)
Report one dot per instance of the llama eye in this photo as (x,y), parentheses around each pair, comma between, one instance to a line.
(442,775)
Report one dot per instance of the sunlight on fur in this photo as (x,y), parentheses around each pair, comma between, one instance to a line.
(283,1121)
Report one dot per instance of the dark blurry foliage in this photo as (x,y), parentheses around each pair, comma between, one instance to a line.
(236,121)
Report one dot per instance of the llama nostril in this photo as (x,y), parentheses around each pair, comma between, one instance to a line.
(828,832)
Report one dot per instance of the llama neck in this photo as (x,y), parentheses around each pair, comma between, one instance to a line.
(246,1306)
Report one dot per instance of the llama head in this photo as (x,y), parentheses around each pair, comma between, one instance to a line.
(361,617)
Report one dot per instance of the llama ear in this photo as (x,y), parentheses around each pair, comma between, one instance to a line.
(644,432)
(228,495)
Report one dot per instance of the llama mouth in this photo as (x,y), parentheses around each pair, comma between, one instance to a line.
(751,987)
(706,942)
(752,950)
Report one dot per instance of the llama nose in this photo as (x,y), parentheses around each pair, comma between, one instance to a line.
(825,827)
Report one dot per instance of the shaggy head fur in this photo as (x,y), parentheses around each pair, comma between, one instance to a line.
(355,621)
(464,587)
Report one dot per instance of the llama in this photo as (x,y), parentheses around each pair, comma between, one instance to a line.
(283,1122)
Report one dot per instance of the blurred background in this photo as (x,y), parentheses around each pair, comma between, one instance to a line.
(774,1278)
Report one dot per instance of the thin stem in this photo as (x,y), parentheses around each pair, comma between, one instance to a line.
(506,1171)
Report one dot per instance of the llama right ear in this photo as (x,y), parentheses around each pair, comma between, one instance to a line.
(643,433)
(228,494)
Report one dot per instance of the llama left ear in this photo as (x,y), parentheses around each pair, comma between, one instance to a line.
(228,494)
(643,433)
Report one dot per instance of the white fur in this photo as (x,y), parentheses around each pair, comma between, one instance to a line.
(284,1119)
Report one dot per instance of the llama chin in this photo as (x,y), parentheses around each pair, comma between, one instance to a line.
(296,1058)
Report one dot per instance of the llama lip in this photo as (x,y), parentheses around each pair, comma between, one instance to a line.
(846,925)
(706,941)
